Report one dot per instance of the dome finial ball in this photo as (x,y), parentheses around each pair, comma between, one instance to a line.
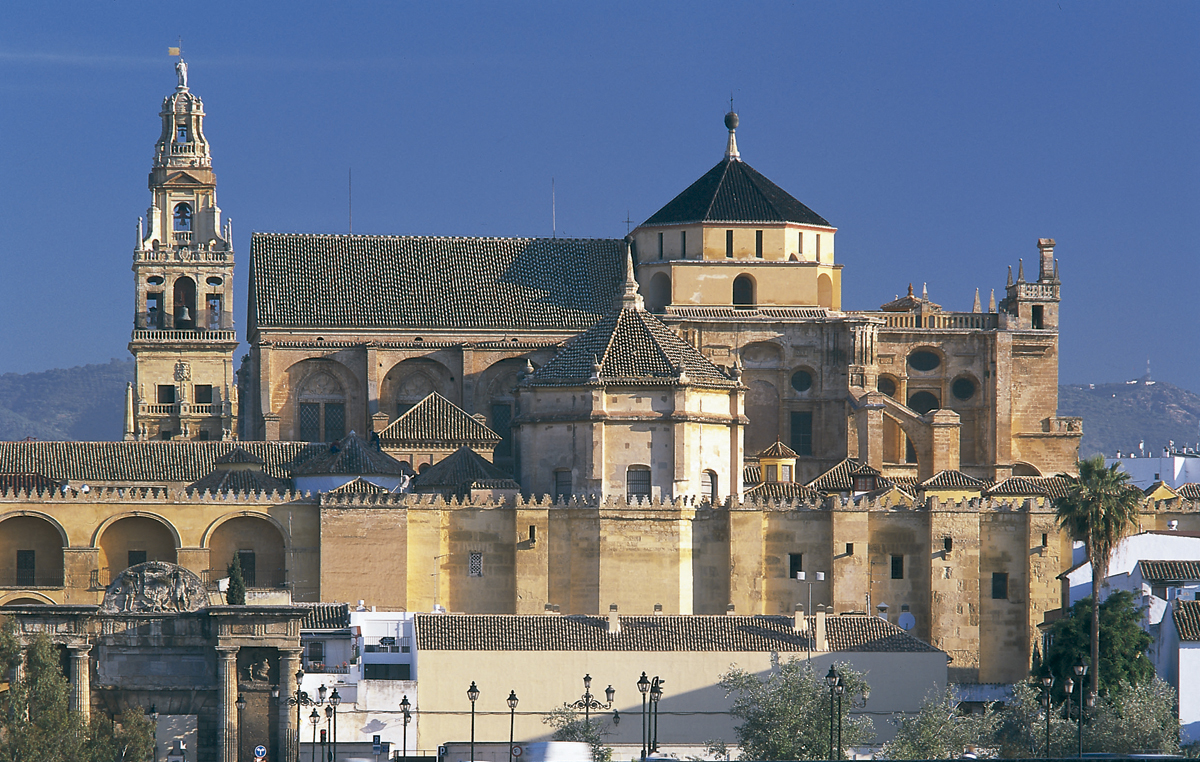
(731,120)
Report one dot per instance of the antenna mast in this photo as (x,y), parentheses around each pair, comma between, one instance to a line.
(350,201)
(553,212)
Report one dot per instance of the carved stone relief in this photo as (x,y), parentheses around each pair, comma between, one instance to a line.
(155,586)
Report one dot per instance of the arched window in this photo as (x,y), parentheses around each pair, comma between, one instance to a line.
(743,291)
(708,486)
(322,413)
(637,482)
(183,216)
(923,402)
(184,295)
(660,292)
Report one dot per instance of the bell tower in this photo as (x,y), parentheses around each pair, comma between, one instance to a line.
(183,337)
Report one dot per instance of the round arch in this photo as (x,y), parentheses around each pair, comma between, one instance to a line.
(206,538)
(25,598)
(744,291)
(409,381)
(659,293)
(148,536)
(256,540)
(825,291)
(300,379)
(1021,468)
(45,517)
(36,543)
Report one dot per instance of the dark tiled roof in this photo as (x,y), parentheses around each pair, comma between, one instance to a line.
(751,473)
(781,491)
(1187,619)
(457,471)
(733,191)
(741,315)
(327,616)
(1170,571)
(1189,491)
(493,484)
(359,486)
(1030,486)
(239,480)
(238,455)
(865,469)
(27,482)
(351,455)
(631,346)
(500,632)
(778,450)
(952,479)
(836,479)
(437,420)
(133,462)
(358,281)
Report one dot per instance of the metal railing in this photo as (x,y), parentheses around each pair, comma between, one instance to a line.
(386,645)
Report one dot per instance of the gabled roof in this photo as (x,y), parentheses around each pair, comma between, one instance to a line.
(751,473)
(1170,571)
(1189,491)
(781,491)
(238,455)
(437,420)
(359,486)
(1030,486)
(778,450)
(358,281)
(1187,619)
(239,480)
(327,616)
(952,479)
(27,482)
(457,471)
(508,632)
(1160,490)
(631,346)
(733,191)
(836,479)
(350,455)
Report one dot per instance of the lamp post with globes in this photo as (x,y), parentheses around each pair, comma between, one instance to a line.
(588,702)
(328,721)
(832,679)
(1047,683)
(298,699)
(656,693)
(512,720)
(404,707)
(315,719)
(334,701)
(1081,670)
(643,686)
(473,696)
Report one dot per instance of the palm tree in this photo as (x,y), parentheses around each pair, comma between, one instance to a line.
(1100,508)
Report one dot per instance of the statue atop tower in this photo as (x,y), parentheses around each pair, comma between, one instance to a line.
(183,334)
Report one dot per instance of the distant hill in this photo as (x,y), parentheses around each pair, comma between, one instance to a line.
(1119,416)
(84,403)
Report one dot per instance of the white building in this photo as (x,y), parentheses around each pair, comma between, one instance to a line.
(1172,468)
(1180,639)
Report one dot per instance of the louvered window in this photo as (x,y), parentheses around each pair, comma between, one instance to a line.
(637,482)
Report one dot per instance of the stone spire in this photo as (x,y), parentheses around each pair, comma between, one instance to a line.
(992,301)
(630,299)
(975,307)
(731,149)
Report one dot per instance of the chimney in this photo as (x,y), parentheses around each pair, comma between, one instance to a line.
(614,621)
(882,608)
(821,642)
(658,609)
(730,610)
(1046,248)
(799,621)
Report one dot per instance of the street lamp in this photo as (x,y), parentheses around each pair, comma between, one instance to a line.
(655,695)
(298,699)
(588,702)
(512,720)
(643,686)
(241,707)
(404,707)
(832,678)
(839,689)
(473,695)
(1081,671)
(328,719)
(315,719)
(1047,684)
(334,701)
(809,611)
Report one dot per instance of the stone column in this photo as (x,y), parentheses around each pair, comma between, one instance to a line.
(289,740)
(81,679)
(227,723)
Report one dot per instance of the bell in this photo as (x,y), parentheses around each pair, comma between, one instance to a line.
(184,314)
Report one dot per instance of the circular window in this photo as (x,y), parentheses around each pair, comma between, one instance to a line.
(887,386)
(155,280)
(923,360)
(923,402)
(215,281)
(801,380)
(963,388)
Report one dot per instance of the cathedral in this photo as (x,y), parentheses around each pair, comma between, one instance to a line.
(685,420)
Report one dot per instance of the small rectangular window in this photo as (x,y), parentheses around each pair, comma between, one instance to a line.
(999,586)
(310,422)
(1045,540)
(818,247)
(204,395)
(729,244)
(772,473)
(802,439)
(562,484)
(1038,316)
(154,311)
(683,244)
(758,245)
(136,557)
(800,245)
(849,548)
(897,567)
(637,482)
(795,564)
(316,651)
(785,473)
(26,567)
(335,421)
(166,394)
(660,245)
(947,544)
(213,319)
(475,564)
(387,671)
(246,559)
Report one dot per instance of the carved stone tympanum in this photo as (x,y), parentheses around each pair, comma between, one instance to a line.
(155,586)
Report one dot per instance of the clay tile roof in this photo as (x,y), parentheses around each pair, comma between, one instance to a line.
(836,479)
(327,616)
(952,479)
(1189,491)
(350,455)
(1187,619)
(493,484)
(238,455)
(358,281)
(507,632)
(437,420)
(457,471)
(781,491)
(240,480)
(632,347)
(359,486)
(778,450)
(27,482)
(864,469)
(1031,486)
(1170,571)
(1160,484)
(733,191)
(134,462)
(751,473)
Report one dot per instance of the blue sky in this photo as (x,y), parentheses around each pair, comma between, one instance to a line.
(942,139)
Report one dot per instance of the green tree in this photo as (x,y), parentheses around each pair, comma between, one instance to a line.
(786,713)
(1134,718)
(236,594)
(569,726)
(1022,729)
(129,739)
(1100,508)
(940,731)
(1122,643)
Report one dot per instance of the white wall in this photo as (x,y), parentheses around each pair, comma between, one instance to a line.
(1174,470)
